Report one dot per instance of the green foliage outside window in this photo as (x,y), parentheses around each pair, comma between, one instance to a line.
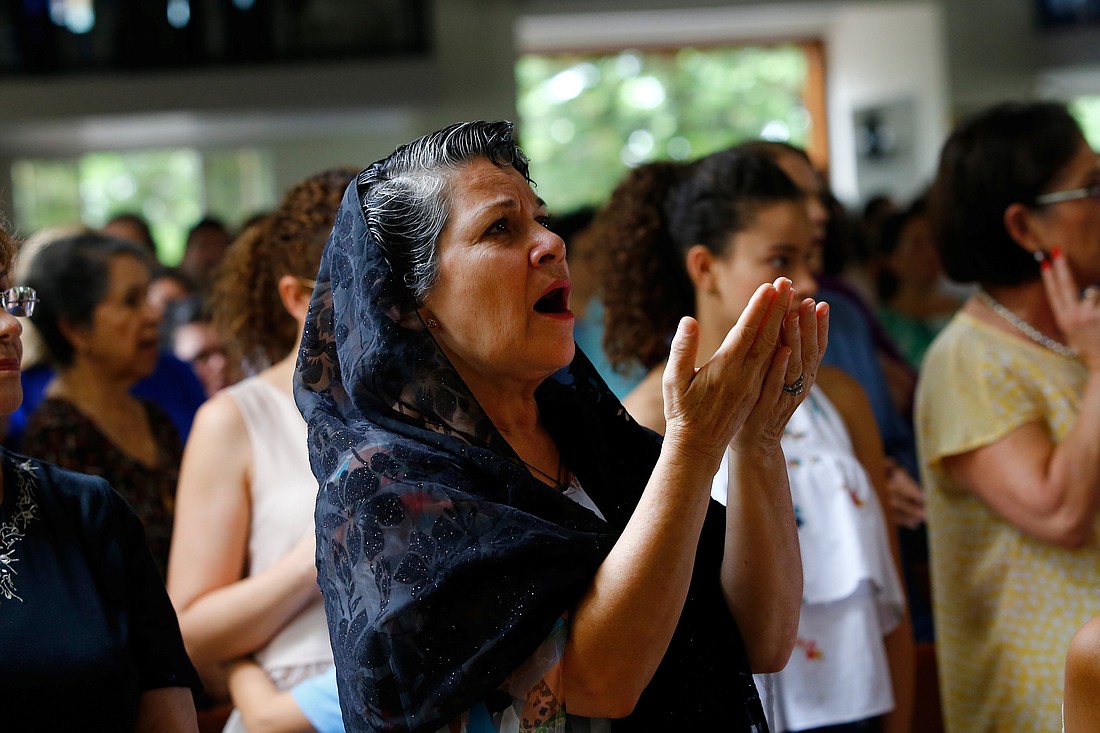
(171,189)
(1087,112)
(586,119)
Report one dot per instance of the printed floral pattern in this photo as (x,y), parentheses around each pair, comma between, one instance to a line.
(13,530)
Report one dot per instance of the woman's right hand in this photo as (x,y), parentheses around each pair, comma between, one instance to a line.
(705,407)
(805,334)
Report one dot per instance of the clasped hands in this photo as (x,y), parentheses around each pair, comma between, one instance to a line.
(745,393)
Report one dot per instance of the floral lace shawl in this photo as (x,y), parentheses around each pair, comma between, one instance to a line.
(443,563)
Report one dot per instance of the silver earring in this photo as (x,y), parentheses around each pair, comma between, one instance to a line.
(432,323)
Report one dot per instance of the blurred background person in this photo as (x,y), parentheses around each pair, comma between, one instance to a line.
(173,385)
(1008,412)
(206,244)
(242,574)
(134,228)
(189,330)
(586,254)
(169,285)
(914,305)
(101,335)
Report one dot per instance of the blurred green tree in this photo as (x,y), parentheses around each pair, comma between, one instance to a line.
(172,189)
(586,119)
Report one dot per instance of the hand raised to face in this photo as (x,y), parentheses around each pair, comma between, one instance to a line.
(1077,313)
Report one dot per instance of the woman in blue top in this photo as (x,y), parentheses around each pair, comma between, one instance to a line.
(88,637)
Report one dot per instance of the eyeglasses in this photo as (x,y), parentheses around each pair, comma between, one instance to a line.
(19,301)
(1057,197)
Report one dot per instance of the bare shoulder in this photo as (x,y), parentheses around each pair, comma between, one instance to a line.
(646,402)
(1083,660)
(851,402)
(1081,708)
(219,438)
(846,394)
(219,416)
(839,386)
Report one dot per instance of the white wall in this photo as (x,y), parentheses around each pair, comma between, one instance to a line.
(878,56)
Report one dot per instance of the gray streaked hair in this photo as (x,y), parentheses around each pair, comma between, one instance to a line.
(405,197)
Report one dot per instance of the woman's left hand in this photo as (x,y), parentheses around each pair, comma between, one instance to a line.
(1077,314)
(805,334)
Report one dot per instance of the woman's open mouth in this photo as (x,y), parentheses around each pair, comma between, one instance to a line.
(555,302)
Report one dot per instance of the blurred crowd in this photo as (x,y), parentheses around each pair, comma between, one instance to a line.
(944,471)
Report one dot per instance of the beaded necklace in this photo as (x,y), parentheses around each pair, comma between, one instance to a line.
(1024,327)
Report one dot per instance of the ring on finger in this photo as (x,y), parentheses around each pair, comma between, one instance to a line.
(796,387)
(1090,293)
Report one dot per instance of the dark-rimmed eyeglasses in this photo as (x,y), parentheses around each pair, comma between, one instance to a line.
(1073,194)
(19,301)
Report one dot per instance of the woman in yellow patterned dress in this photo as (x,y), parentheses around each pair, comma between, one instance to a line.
(1008,413)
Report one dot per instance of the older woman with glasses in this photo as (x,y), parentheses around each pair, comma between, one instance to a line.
(88,637)
(102,338)
(500,546)
(1008,414)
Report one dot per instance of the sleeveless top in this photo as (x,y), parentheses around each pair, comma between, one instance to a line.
(283,492)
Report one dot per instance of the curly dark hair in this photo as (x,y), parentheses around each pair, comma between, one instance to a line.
(1003,155)
(655,215)
(246,306)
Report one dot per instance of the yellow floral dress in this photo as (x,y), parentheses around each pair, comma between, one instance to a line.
(1006,605)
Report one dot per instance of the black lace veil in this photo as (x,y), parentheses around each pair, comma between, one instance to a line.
(443,562)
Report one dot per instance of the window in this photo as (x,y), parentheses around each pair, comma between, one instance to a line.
(586,118)
(1087,112)
(172,189)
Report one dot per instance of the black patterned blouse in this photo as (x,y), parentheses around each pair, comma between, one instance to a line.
(58,432)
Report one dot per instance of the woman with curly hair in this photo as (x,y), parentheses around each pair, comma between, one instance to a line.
(241,572)
(697,240)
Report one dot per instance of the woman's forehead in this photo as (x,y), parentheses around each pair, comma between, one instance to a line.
(482,179)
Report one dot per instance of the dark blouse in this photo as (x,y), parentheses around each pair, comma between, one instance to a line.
(86,625)
(58,432)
